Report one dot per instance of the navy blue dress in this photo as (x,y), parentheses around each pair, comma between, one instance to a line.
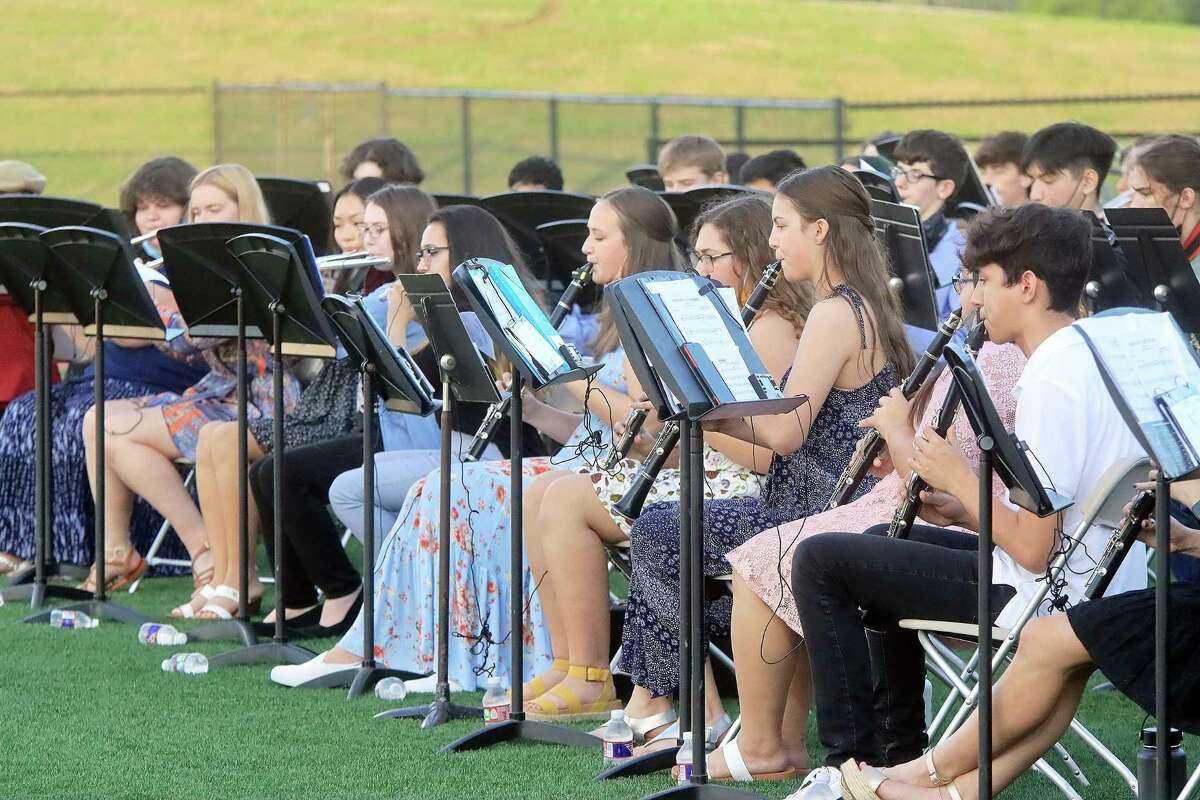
(797,485)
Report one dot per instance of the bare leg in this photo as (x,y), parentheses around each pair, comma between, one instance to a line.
(536,532)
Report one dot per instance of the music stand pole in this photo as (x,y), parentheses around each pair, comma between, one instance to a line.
(441,709)
(240,629)
(516,727)
(984,665)
(278,651)
(99,607)
(19,585)
(1162,667)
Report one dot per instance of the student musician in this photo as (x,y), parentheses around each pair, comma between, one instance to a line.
(766,171)
(999,160)
(1167,175)
(1031,264)
(535,174)
(1067,163)
(930,167)
(691,160)
(389,159)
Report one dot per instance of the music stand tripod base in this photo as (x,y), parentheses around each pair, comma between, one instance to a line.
(23,588)
(268,653)
(645,764)
(95,608)
(512,730)
(439,711)
(237,630)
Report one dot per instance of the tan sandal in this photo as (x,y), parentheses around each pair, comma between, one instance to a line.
(862,782)
(560,703)
(203,577)
(10,563)
(119,572)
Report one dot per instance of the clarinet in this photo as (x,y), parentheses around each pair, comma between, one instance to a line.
(1140,510)
(630,504)
(498,411)
(869,445)
(906,512)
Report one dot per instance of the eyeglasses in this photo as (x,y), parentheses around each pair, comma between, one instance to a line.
(426,254)
(371,231)
(912,175)
(959,281)
(707,259)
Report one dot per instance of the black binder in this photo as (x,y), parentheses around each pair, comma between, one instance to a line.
(57,212)
(898,228)
(306,206)
(25,258)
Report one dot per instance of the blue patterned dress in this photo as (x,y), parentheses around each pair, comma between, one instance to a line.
(797,485)
(406,572)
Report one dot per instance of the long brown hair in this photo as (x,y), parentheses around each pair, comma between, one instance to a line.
(408,210)
(648,227)
(834,195)
(744,222)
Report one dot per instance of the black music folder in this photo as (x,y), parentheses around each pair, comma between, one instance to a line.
(898,228)
(24,259)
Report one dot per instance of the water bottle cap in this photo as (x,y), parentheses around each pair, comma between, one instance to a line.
(1150,737)
(687,736)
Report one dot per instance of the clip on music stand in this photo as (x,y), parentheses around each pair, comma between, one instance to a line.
(701,393)
(1157,263)
(465,378)
(1171,448)
(109,298)
(25,270)
(516,727)
(1002,454)
(392,374)
(1111,283)
(209,291)
(283,289)
(898,228)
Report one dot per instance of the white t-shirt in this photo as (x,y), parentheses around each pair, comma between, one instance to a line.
(1074,433)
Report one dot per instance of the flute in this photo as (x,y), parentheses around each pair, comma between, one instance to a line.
(906,512)
(1140,510)
(630,504)
(869,445)
(498,411)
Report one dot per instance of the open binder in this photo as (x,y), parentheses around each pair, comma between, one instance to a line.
(1153,377)
(689,351)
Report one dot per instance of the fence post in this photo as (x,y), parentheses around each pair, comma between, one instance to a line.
(280,127)
(739,131)
(215,101)
(466,143)
(652,145)
(384,121)
(839,129)
(553,113)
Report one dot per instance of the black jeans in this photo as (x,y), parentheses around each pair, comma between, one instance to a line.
(312,548)
(852,589)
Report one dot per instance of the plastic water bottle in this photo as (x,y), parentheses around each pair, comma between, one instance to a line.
(683,760)
(618,740)
(60,618)
(174,663)
(165,635)
(195,664)
(496,704)
(391,689)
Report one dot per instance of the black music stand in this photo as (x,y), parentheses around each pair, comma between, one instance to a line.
(57,212)
(26,272)
(116,302)
(898,228)
(208,288)
(1156,262)
(1173,448)
(877,183)
(466,378)
(305,206)
(444,200)
(390,373)
(1110,283)
(971,198)
(516,727)
(999,452)
(284,289)
(646,176)
(684,371)
(688,205)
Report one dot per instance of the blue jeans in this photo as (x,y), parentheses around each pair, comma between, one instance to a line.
(852,590)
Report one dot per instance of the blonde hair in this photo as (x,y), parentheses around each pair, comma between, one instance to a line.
(239,183)
(692,150)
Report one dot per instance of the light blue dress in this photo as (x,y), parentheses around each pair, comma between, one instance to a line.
(406,570)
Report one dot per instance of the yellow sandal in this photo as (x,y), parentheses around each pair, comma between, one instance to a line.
(537,687)
(560,703)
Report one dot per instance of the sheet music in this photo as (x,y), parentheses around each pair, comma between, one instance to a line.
(702,323)
(1147,357)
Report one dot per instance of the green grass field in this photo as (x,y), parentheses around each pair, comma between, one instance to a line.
(88,714)
(748,48)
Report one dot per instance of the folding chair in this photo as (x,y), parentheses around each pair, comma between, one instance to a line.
(152,559)
(1105,508)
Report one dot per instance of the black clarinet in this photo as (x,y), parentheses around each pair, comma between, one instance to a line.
(630,504)
(906,512)
(869,445)
(1140,510)
(498,411)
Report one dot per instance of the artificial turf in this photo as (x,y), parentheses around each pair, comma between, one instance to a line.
(89,714)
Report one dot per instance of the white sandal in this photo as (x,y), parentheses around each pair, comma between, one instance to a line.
(643,725)
(740,773)
(232,595)
(186,611)
(713,734)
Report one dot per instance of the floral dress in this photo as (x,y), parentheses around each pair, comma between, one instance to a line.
(796,485)
(765,562)
(406,571)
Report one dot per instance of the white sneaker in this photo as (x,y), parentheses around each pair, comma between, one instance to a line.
(823,783)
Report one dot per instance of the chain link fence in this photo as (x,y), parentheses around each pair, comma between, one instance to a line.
(87,142)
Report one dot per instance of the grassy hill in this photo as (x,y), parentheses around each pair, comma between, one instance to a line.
(752,48)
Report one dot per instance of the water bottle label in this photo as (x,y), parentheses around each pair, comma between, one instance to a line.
(68,621)
(685,773)
(618,750)
(494,714)
(152,632)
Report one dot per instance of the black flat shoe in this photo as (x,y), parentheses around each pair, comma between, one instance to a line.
(317,631)
(294,626)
